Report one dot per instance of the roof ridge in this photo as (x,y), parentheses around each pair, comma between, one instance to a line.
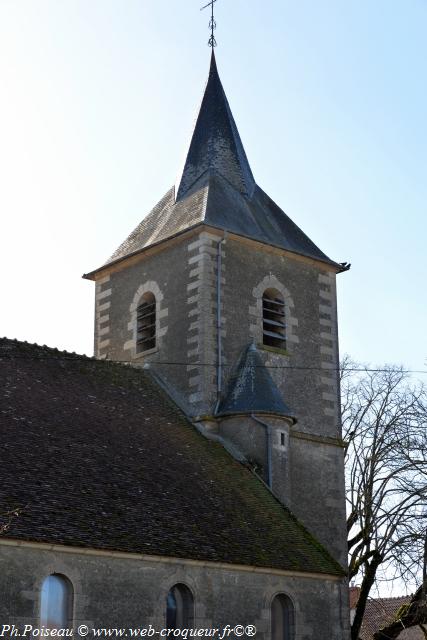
(53,352)
(45,347)
(390,598)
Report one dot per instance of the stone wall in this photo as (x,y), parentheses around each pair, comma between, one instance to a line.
(306,372)
(166,275)
(183,280)
(249,435)
(130,591)
(183,277)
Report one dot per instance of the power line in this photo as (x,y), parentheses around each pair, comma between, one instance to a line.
(262,366)
(207,364)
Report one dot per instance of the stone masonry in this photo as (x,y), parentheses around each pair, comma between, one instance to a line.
(186,353)
(131,591)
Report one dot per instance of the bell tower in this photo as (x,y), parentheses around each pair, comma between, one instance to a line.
(233,309)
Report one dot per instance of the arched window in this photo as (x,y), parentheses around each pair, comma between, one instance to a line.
(56,604)
(273,319)
(146,323)
(282,618)
(180,608)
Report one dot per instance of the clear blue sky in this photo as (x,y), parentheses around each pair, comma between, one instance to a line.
(98,101)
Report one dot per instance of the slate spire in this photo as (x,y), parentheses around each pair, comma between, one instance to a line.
(251,389)
(216,188)
(215,144)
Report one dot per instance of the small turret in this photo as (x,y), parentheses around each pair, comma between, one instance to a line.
(254,417)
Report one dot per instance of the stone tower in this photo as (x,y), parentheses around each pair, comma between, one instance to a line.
(233,308)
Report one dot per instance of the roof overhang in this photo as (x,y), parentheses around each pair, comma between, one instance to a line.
(116,265)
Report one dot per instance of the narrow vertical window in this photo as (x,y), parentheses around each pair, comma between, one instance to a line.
(146,323)
(56,603)
(273,319)
(282,618)
(180,608)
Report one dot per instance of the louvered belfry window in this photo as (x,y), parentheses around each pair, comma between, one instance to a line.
(146,323)
(273,319)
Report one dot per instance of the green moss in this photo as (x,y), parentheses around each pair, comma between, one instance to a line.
(401,612)
(261,511)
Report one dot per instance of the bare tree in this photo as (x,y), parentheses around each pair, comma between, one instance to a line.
(413,614)
(384,426)
(7,517)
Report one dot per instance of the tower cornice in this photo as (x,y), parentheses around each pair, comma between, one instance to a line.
(140,254)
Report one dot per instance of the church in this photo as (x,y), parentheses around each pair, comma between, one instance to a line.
(189,475)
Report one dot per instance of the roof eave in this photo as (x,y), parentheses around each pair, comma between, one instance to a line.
(257,412)
(339,267)
(91,275)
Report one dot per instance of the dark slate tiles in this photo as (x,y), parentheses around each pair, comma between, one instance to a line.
(213,201)
(216,187)
(251,389)
(215,143)
(94,454)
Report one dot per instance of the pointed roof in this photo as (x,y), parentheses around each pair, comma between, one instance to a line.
(251,389)
(216,188)
(215,144)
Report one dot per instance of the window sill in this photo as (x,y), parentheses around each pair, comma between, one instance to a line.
(282,352)
(141,355)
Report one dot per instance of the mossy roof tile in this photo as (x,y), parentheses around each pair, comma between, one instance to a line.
(84,467)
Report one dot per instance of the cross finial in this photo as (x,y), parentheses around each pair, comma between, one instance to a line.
(212,23)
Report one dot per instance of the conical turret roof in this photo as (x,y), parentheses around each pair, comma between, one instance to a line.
(251,389)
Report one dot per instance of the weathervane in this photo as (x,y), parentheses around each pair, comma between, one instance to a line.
(212,23)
